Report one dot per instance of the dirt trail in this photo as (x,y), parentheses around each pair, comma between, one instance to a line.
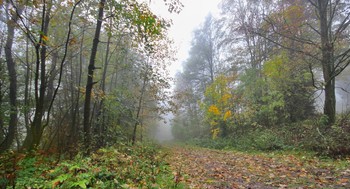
(204,168)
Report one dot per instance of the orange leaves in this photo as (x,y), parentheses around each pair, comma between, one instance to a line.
(344,182)
(73,41)
(96,94)
(45,38)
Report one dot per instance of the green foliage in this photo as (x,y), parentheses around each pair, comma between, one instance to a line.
(310,135)
(29,168)
(143,24)
(280,93)
(219,143)
(331,141)
(123,166)
(267,140)
(251,90)
(276,68)
(188,127)
(254,140)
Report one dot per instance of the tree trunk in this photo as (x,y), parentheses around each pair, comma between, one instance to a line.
(101,112)
(34,134)
(327,62)
(74,136)
(90,82)
(11,67)
(2,114)
(2,81)
(143,90)
(27,88)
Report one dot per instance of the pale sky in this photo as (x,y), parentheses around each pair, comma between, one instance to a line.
(184,23)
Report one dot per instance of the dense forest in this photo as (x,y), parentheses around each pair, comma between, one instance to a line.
(267,75)
(81,74)
(84,83)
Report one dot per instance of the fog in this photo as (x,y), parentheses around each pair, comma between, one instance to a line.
(163,131)
(342,94)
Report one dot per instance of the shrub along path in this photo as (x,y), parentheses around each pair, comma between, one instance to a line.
(206,168)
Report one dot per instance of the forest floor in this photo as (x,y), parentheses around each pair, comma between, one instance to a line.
(207,168)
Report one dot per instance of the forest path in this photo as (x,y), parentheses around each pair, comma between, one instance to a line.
(206,168)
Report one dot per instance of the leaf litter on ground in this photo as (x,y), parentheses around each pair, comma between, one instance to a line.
(207,168)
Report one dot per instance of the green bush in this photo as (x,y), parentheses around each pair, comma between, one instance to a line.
(312,135)
(315,135)
(334,141)
(267,140)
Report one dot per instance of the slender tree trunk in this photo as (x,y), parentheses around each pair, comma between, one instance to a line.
(327,61)
(2,75)
(11,67)
(75,114)
(90,82)
(27,88)
(2,115)
(34,135)
(101,111)
(139,108)
(51,78)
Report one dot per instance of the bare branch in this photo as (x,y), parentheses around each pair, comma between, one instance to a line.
(303,41)
(26,30)
(342,27)
(312,3)
(63,60)
(294,38)
(313,77)
(314,29)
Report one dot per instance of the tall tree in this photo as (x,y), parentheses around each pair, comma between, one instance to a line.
(90,81)
(322,27)
(11,67)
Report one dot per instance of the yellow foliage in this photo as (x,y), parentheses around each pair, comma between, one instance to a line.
(214,110)
(227,115)
(215,133)
(213,123)
(225,98)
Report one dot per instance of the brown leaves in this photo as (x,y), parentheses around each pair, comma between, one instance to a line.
(203,168)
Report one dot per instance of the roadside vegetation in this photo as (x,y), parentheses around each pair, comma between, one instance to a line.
(120,166)
(310,136)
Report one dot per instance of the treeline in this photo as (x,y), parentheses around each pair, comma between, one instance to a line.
(255,72)
(79,75)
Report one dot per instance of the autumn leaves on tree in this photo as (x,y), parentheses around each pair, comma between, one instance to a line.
(47,45)
(269,60)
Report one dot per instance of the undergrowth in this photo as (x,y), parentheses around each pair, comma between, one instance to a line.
(122,166)
(311,135)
